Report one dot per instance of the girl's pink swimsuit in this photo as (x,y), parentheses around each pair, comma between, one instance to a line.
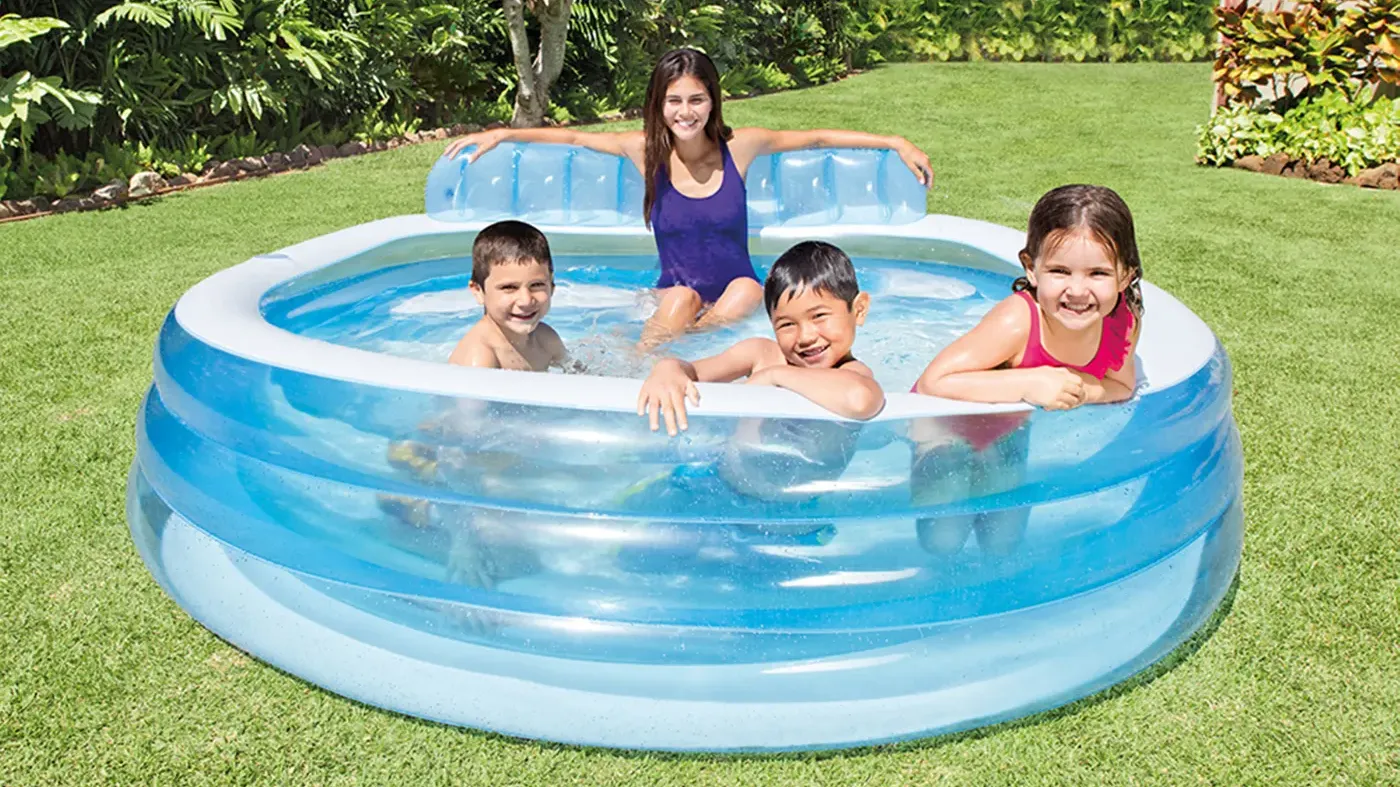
(981,431)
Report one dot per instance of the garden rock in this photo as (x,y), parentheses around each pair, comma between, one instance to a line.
(438,134)
(112,192)
(226,169)
(276,162)
(352,148)
(457,130)
(182,179)
(250,164)
(1296,169)
(144,184)
(6,211)
(68,204)
(1324,171)
(303,156)
(328,152)
(1251,163)
(1273,165)
(1390,178)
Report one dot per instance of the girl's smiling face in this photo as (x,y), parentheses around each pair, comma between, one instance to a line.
(686,108)
(1077,281)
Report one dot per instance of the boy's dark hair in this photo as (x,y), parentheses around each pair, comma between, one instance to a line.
(811,265)
(505,242)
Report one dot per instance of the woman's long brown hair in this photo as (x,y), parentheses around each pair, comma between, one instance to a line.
(1099,210)
(672,66)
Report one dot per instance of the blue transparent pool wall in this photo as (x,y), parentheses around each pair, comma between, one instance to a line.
(757,584)
(681,563)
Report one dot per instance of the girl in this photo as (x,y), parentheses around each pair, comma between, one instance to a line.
(1066,335)
(695,204)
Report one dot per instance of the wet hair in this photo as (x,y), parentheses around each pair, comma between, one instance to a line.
(672,66)
(1101,212)
(508,242)
(811,265)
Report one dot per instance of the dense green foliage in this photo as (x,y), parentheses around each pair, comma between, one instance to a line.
(105,680)
(1352,135)
(170,84)
(1310,82)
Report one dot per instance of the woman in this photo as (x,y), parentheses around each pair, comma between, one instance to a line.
(696,203)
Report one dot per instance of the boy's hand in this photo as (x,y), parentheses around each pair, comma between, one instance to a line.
(1054,388)
(664,393)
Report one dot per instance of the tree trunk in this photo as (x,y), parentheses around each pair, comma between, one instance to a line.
(537,77)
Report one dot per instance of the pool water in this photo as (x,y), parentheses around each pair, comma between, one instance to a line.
(600,304)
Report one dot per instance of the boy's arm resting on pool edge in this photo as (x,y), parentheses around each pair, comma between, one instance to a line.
(850,392)
(672,381)
(754,142)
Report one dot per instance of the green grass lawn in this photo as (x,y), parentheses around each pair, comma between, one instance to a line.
(103,679)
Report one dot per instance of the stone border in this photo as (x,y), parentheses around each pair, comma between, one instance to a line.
(1384,176)
(144,185)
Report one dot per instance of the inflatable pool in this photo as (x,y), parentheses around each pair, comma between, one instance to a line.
(517,552)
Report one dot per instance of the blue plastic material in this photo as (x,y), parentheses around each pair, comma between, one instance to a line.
(759,584)
(564,185)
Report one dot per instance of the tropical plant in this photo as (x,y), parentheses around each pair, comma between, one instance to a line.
(27,101)
(1291,56)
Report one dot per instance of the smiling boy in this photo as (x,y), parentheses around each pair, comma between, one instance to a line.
(513,280)
(815,304)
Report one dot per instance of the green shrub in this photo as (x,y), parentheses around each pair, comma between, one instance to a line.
(1352,135)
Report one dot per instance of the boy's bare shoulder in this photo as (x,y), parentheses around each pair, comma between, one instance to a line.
(857,367)
(477,349)
(548,340)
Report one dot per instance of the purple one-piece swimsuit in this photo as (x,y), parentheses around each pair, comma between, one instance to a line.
(703,243)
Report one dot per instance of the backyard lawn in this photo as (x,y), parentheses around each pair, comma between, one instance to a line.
(103,679)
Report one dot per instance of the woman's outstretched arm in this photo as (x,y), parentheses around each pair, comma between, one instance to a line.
(631,144)
(750,143)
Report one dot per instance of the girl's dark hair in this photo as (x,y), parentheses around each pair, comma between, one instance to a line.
(1094,208)
(811,265)
(672,66)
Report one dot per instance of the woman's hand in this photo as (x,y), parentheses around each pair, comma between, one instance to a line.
(484,141)
(664,394)
(917,162)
